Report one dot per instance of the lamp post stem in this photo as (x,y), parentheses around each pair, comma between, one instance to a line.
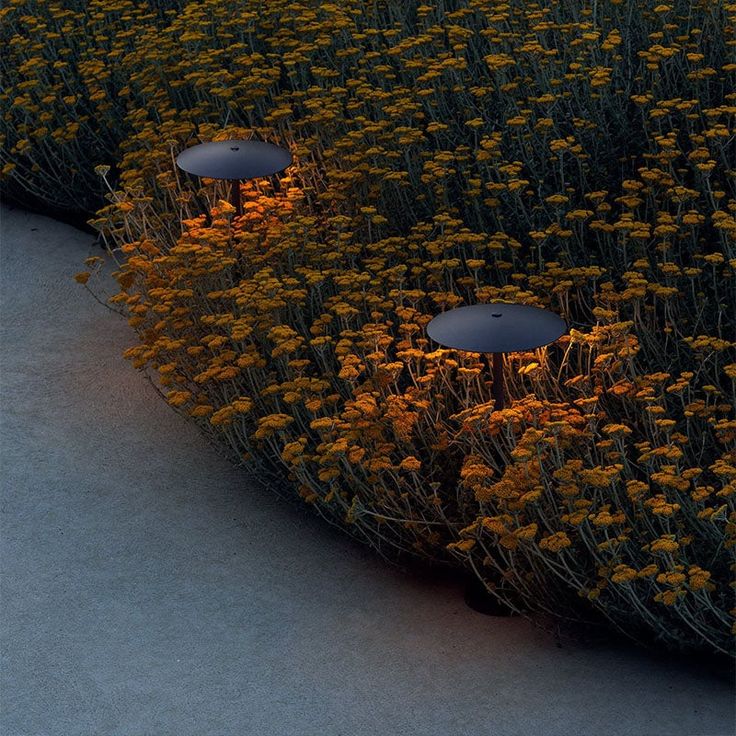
(497,387)
(235,200)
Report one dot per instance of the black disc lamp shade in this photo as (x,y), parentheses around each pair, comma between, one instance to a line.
(496,328)
(234,160)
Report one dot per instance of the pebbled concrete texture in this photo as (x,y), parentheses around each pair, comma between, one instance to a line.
(151,589)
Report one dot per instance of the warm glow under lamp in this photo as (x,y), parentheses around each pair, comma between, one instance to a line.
(235,161)
(495,329)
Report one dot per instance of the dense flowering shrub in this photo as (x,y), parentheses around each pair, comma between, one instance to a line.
(574,156)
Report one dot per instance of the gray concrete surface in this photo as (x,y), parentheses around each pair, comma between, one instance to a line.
(150,589)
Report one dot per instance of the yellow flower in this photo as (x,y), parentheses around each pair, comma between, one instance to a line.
(665,543)
(555,542)
(225,208)
(272,423)
(623,574)
(526,533)
(698,578)
(616,429)
(464,545)
(410,464)
(293,452)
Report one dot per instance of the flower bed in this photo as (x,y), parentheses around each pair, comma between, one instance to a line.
(578,158)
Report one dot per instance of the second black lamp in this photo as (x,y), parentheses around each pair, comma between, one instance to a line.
(494,329)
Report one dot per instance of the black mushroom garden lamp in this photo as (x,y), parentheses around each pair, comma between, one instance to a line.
(495,329)
(235,161)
